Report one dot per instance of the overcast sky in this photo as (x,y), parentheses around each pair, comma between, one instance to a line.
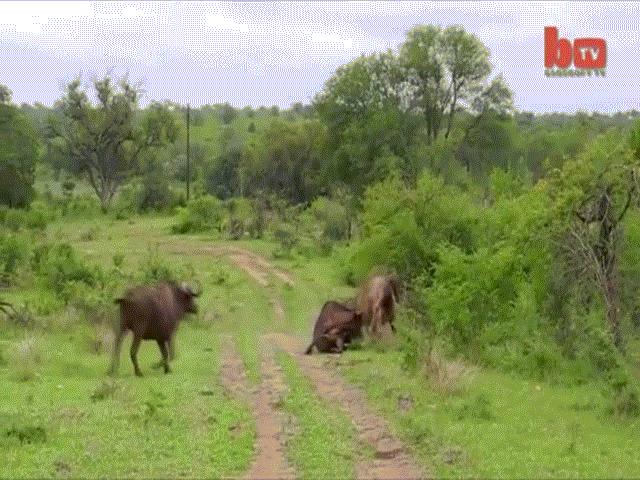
(277,53)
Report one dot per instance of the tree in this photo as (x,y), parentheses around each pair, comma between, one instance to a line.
(227,113)
(593,193)
(18,155)
(221,176)
(447,68)
(102,140)
(284,159)
(368,84)
(490,132)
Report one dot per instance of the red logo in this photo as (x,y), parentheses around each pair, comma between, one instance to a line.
(585,53)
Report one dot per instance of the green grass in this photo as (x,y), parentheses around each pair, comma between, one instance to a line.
(70,418)
(324,444)
(500,426)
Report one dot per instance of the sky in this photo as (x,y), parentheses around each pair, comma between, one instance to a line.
(277,53)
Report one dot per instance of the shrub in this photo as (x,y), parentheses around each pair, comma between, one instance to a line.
(60,267)
(626,402)
(402,226)
(153,268)
(201,214)
(242,219)
(22,316)
(27,434)
(13,252)
(32,219)
(82,206)
(287,239)
(332,217)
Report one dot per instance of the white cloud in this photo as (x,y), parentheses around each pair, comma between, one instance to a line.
(127,12)
(31,16)
(222,23)
(319,37)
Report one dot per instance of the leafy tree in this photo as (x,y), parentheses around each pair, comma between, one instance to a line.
(447,68)
(592,195)
(18,156)
(222,175)
(366,85)
(102,140)
(285,159)
(227,114)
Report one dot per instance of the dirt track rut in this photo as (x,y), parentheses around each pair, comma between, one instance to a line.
(270,460)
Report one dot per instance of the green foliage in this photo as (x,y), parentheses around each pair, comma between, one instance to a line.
(155,268)
(242,219)
(201,214)
(286,236)
(35,218)
(402,226)
(103,140)
(13,252)
(473,291)
(227,113)
(285,159)
(18,157)
(63,272)
(332,218)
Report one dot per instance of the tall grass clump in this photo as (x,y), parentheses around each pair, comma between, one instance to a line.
(25,357)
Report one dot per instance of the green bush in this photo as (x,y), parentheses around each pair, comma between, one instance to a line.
(402,226)
(13,252)
(332,217)
(287,239)
(242,219)
(154,268)
(81,206)
(201,214)
(60,268)
(32,219)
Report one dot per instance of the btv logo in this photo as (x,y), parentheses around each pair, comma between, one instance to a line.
(589,55)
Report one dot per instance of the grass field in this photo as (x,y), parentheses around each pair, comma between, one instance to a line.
(61,415)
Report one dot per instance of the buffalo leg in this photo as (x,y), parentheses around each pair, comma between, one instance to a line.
(165,354)
(339,344)
(172,353)
(116,352)
(172,347)
(135,345)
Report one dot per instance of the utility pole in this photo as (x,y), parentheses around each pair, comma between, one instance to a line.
(188,151)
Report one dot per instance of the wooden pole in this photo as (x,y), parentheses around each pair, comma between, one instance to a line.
(188,151)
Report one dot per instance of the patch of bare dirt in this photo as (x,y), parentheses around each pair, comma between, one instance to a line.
(270,461)
(392,459)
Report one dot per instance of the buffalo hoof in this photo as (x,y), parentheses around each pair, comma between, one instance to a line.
(139,374)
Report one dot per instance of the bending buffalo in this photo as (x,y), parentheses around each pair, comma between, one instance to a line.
(335,327)
(152,313)
(376,300)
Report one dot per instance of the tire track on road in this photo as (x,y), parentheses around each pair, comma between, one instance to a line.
(270,459)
